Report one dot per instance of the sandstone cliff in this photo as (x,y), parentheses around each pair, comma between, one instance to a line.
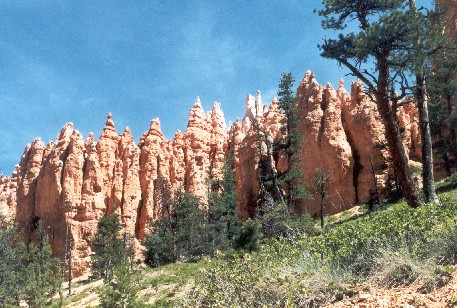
(72,182)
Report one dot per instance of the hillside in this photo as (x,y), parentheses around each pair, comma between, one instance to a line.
(394,256)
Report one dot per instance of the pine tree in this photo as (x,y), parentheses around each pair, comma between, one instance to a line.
(161,243)
(427,41)
(278,216)
(191,227)
(12,265)
(322,180)
(442,86)
(43,277)
(248,236)
(387,30)
(109,247)
(181,230)
(293,177)
(223,218)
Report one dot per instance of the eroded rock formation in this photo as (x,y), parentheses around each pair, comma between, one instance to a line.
(71,183)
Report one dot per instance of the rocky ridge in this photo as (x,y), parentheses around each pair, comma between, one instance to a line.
(72,182)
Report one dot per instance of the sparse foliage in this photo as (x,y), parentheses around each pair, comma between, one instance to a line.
(322,178)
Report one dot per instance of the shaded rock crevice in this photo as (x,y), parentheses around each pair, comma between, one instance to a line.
(357,166)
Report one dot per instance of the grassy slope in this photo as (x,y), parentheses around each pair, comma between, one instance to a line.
(316,269)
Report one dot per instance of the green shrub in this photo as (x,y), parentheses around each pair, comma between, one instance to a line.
(354,242)
(248,236)
(444,241)
(241,282)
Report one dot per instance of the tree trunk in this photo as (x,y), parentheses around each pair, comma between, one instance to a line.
(322,213)
(426,138)
(394,141)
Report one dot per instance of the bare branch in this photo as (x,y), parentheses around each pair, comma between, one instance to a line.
(357,73)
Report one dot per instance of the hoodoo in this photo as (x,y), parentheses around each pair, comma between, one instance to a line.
(76,181)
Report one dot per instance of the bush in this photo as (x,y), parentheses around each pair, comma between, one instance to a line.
(248,236)
(241,282)
(278,222)
(354,242)
(444,242)
(394,267)
(325,281)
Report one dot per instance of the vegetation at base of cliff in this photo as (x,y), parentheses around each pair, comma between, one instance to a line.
(184,231)
(27,272)
(110,248)
(392,245)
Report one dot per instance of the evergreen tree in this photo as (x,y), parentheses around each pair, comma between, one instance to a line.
(248,236)
(109,247)
(278,216)
(181,230)
(425,44)
(293,177)
(442,86)
(388,29)
(43,277)
(161,243)
(223,218)
(12,265)
(274,218)
(191,227)
(322,180)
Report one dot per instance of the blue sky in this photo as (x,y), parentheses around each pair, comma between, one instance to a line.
(76,61)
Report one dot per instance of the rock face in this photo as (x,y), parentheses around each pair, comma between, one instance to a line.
(450,9)
(71,183)
(7,197)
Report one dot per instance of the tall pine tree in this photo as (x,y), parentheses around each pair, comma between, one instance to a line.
(43,277)
(12,265)
(387,29)
(223,216)
(109,247)
(293,177)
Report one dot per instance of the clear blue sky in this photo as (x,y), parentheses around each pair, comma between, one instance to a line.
(76,61)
